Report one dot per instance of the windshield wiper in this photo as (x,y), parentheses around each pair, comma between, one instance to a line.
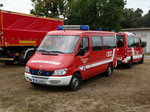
(55,52)
(42,50)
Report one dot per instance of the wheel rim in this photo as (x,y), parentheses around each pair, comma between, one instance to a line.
(75,82)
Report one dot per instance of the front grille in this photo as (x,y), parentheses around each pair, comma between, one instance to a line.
(41,72)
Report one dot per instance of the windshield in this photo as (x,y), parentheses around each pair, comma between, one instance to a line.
(58,44)
(120,41)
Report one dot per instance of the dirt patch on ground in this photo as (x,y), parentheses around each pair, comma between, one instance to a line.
(128,90)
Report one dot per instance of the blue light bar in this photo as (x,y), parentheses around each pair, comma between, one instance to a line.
(73,27)
(60,27)
(84,27)
(100,29)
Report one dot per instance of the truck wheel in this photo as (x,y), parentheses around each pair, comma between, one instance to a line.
(130,63)
(9,62)
(75,82)
(142,60)
(109,71)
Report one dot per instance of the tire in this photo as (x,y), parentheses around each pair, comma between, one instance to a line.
(142,60)
(130,63)
(109,71)
(23,61)
(75,82)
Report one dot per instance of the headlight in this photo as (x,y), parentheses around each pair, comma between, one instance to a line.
(27,69)
(60,72)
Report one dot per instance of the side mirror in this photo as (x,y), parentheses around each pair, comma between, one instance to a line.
(81,52)
(143,44)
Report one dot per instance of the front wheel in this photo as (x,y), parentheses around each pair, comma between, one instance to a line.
(75,82)
(109,71)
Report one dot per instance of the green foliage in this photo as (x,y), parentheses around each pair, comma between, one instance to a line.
(146,20)
(49,8)
(132,18)
(106,14)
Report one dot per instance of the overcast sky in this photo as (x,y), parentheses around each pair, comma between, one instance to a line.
(24,6)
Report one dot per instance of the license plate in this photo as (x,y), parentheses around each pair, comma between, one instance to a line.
(39,81)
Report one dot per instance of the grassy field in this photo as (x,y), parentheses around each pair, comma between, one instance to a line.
(128,90)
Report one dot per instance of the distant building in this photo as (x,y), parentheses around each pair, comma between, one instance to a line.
(144,33)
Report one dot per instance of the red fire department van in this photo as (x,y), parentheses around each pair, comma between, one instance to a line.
(71,54)
(21,33)
(130,48)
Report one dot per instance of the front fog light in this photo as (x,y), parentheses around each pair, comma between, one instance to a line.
(60,72)
(27,69)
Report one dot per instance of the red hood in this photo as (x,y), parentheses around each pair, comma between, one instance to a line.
(49,62)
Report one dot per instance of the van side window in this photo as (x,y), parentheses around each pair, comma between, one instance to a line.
(120,41)
(96,43)
(109,42)
(85,44)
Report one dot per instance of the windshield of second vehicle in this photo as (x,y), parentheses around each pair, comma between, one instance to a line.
(120,41)
(58,44)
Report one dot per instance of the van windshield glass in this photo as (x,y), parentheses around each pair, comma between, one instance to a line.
(58,44)
(120,41)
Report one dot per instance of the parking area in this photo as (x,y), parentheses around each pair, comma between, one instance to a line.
(126,91)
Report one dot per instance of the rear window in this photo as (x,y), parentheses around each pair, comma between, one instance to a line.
(120,41)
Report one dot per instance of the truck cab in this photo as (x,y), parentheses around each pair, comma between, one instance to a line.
(72,54)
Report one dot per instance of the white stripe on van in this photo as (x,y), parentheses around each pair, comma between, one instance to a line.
(95,64)
(99,63)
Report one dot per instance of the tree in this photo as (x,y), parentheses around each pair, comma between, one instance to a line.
(106,14)
(49,8)
(146,20)
(132,18)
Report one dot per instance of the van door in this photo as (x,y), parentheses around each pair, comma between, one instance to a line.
(97,56)
(83,61)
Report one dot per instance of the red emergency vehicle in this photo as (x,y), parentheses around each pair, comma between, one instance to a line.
(21,33)
(66,57)
(130,48)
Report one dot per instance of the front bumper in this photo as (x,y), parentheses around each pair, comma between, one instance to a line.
(44,80)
